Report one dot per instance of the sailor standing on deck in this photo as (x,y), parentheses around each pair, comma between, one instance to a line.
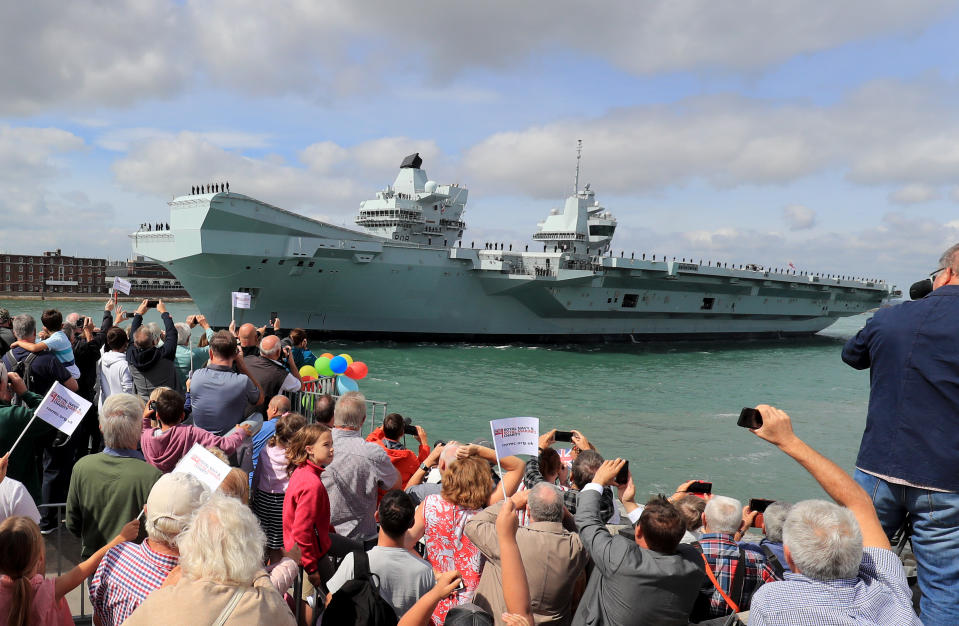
(909,457)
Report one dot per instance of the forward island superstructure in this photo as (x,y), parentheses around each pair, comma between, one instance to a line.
(407,276)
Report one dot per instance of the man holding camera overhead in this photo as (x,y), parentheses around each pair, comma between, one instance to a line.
(909,456)
(389,435)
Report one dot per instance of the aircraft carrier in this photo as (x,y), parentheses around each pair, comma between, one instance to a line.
(406,274)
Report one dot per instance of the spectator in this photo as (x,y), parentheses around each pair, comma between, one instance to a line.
(113,485)
(722,524)
(57,341)
(301,354)
(323,410)
(163,447)
(129,572)
(6,331)
(274,376)
(87,344)
(421,613)
(771,546)
(113,371)
(691,509)
(277,407)
(236,484)
(13,420)
(151,366)
(14,499)
(442,518)
(912,352)
(219,395)
(357,471)
(25,595)
(271,480)
(246,335)
(843,571)
(39,370)
(220,566)
(388,436)
(554,557)
(187,358)
(653,579)
(403,577)
(306,505)
(442,456)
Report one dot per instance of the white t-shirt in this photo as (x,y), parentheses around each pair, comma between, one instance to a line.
(404,578)
(16,500)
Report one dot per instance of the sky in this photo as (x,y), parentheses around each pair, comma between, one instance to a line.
(820,134)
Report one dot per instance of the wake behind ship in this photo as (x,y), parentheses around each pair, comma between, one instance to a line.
(407,275)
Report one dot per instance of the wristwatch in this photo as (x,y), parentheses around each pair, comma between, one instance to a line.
(425,468)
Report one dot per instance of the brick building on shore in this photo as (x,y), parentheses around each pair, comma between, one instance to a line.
(51,273)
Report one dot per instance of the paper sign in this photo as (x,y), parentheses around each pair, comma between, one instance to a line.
(241,300)
(123,286)
(202,465)
(62,409)
(515,435)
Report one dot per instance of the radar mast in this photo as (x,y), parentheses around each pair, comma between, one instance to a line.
(579,153)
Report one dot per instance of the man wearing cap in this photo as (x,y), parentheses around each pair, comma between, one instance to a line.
(6,331)
(129,572)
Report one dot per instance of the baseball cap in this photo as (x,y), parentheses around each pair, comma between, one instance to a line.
(175,497)
(4,316)
(468,615)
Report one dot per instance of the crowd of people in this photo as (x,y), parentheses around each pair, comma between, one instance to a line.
(318,523)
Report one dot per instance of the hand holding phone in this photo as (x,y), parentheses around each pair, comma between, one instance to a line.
(700,488)
(750,418)
(152,304)
(623,476)
(563,435)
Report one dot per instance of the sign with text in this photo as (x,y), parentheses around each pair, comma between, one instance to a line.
(62,409)
(241,300)
(202,465)
(123,286)
(515,435)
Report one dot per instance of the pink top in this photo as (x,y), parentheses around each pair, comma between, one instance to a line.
(270,474)
(163,450)
(448,548)
(45,610)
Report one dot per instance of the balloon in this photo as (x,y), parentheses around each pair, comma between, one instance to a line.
(344,384)
(349,359)
(338,364)
(306,379)
(357,370)
(326,355)
(323,366)
(308,371)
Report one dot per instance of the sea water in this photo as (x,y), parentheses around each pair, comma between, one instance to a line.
(670,408)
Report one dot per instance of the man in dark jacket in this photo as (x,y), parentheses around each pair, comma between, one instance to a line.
(151,366)
(909,456)
(87,343)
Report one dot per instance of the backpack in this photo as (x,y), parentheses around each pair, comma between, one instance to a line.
(21,368)
(359,601)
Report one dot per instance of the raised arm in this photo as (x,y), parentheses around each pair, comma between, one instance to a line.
(602,548)
(72,579)
(777,429)
(515,584)
(856,351)
(29,347)
(419,614)
(171,336)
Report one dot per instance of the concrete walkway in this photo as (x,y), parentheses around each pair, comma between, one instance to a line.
(63,553)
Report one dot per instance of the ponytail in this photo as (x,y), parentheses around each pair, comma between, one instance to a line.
(20,602)
(20,546)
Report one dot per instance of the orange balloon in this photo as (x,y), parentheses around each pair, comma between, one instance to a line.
(327,355)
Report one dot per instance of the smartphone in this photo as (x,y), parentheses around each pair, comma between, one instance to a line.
(759,504)
(700,487)
(750,418)
(152,304)
(623,476)
(564,435)
(272,317)
(153,405)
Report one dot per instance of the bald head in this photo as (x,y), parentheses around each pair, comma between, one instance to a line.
(247,335)
(278,406)
(270,347)
(545,503)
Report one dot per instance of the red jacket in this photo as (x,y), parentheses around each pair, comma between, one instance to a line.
(405,461)
(306,515)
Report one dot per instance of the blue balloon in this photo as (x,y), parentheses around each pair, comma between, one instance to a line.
(338,364)
(344,384)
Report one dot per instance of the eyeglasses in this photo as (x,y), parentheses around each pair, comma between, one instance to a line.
(935,274)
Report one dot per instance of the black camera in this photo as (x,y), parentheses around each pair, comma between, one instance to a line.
(920,289)
(408,428)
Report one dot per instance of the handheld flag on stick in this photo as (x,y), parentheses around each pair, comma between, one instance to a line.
(514,435)
(61,408)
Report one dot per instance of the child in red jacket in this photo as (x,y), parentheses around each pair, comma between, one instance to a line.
(306,507)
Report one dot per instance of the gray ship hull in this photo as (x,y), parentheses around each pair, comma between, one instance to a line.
(343,283)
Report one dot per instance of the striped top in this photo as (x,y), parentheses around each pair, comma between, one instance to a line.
(126,576)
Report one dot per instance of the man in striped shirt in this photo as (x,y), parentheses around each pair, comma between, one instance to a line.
(129,572)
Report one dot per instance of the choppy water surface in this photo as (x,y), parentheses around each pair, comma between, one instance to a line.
(670,409)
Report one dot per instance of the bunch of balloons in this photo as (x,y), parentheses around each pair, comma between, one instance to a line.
(339,365)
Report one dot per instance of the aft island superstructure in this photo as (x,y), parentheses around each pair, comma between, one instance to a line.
(407,275)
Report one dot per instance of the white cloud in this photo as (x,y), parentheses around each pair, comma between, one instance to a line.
(28,155)
(121,139)
(914,194)
(799,217)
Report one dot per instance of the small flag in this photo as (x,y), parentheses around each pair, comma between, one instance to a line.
(791,265)
(515,435)
(241,300)
(62,409)
(123,286)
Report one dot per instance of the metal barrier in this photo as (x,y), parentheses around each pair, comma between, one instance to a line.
(304,401)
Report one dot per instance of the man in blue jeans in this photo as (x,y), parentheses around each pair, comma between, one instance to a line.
(909,457)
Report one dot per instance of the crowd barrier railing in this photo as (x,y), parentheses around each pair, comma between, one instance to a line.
(304,401)
(83,617)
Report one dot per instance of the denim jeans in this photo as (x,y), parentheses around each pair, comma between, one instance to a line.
(935,541)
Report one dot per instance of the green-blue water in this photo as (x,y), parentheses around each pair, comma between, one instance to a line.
(670,409)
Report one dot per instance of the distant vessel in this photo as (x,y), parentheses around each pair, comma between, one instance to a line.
(407,276)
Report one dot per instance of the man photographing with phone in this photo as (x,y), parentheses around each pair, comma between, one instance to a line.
(390,436)
(909,456)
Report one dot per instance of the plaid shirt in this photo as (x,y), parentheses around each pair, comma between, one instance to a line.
(879,595)
(126,576)
(531,476)
(722,552)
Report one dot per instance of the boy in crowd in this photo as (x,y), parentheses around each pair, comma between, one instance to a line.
(57,342)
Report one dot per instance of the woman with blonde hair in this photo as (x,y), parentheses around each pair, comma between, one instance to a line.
(441,518)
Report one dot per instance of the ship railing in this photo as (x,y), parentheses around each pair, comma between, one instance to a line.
(305,400)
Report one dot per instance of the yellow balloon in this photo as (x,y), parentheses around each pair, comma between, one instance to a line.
(349,359)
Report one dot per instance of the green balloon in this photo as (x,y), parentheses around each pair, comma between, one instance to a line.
(322,366)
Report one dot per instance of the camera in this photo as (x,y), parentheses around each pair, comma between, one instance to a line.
(700,487)
(750,418)
(408,428)
(153,405)
(152,304)
(920,289)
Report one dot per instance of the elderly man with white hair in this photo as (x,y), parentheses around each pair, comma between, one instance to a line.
(273,369)
(221,578)
(553,557)
(129,572)
(739,572)
(190,358)
(109,488)
(843,571)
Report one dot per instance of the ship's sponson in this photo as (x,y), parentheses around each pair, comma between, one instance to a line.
(338,281)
